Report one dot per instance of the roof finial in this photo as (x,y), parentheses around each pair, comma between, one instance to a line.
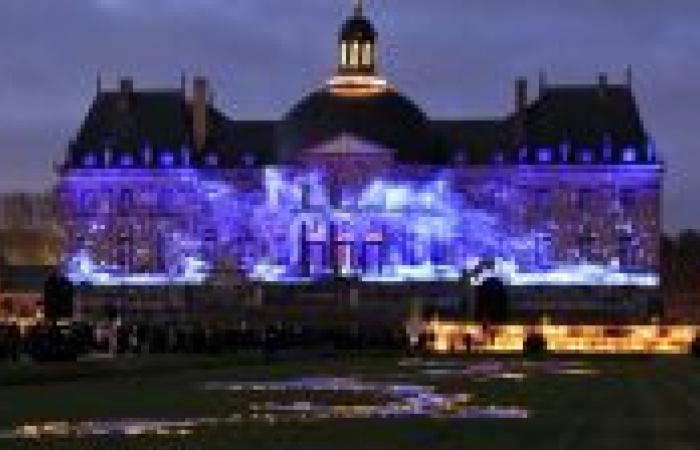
(628,76)
(359,8)
(99,82)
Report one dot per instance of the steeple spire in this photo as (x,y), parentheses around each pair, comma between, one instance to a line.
(359,10)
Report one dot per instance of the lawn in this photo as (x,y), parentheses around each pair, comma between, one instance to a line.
(571,402)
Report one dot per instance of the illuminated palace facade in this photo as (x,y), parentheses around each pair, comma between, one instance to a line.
(356,185)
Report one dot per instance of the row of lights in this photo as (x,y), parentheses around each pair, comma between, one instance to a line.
(545,155)
(165,159)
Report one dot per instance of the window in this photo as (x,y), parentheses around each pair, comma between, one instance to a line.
(629,155)
(89,201)
(564,151)
(167,159)
(585,243)
(355,54)
(585,199)
(625,250)
(367,54)
(627,199)
(585,155)
(305,196)
(126,198)
(544,155)
(249,159)
(522,155)
(90,160)
(541,198)
(126,160)
(461,157)
(344,54)
(211,160)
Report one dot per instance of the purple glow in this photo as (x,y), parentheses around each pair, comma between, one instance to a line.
(158,226)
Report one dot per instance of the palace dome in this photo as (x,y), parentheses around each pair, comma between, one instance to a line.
(357,28)
(385,118)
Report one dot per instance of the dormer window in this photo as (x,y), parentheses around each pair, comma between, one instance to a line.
(249,159)
(212,160)
(629,155)
(544,155)
(166,159)
(126,160)
(585,155)
(461,157)
(90,160)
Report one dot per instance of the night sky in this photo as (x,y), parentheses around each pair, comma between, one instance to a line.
(456,58)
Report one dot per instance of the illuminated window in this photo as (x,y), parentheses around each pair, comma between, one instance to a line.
(585,155)
(355,54)
(127,160)
(544,155)
(249,159)
(367,54)
(522,155)
(167,159)
(629,155)
(344,54)
(90,160)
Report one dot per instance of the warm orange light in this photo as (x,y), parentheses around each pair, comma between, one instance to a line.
(655,338)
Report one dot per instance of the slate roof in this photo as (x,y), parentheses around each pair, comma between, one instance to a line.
(603,120)
(389,119)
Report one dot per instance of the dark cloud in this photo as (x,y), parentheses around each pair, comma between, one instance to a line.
(454,57)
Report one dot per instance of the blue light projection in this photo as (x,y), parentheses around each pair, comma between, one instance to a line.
(292,224)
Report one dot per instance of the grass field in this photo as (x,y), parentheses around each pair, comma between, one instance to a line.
(601,403)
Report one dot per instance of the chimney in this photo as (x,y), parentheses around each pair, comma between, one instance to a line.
(628,76)
(520,94)
(199,113)
(126,88)
(126,85)
(602,82)
(542,82)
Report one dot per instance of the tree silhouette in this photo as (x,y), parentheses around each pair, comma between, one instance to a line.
(492,301)
(58,297)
